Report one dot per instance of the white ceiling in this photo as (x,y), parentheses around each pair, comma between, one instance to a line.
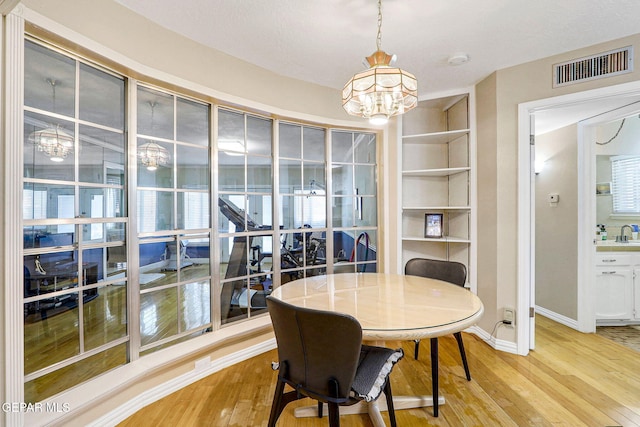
(326,41)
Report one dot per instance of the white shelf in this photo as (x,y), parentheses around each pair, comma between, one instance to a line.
(436,208)
(436,172)
(445,239)
(435,137)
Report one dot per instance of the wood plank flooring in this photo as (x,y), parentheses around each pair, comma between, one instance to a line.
(570,379)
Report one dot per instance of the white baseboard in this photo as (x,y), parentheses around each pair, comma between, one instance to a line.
(498,344)
(201,371)
(563,320)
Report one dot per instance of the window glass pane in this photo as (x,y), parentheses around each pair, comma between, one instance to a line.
(343,210)
(231,131)
(342,179)
(155,211)
(50,272)
(195,303)
(105,317)
(313,210)
(232,213)
(286,212)
(314,144)
(314,181)
(101,203)
(233,258)
(48,148)
(101,156)
(625,186)
(116,231)
(155,164)
(117,263)
(259,135)
(193,122)
(290,141)
(60,202)
(365,180)
(366,212)
(195,257)
(94,266)
(261,258)
(47,342)
(231,172)
(365,246)
(343,242)
(193,167)
(290,176)
(314,248)
(365,148)
(193,210)
(158,315)
(154,256)
(69,376)
(341,147)
(49,80)
(260,212)
(259,174)
(155,113)
(234,301)
(101,97)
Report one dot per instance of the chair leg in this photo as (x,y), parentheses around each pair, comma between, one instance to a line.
(334,415)
(458,336)
(417,349)
(390,410)
(276,406)
(320,409)
(434,374)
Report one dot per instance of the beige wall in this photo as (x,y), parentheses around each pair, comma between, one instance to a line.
(556,266)
(516,85)
(487,195)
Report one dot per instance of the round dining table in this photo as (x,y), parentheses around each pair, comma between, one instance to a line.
(389,307)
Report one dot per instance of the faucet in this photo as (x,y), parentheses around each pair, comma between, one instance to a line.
(622,238)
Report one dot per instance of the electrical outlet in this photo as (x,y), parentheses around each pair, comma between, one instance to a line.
(508,316)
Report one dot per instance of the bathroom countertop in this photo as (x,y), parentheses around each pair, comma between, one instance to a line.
(613,246)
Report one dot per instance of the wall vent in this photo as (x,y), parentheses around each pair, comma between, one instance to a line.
(606,64)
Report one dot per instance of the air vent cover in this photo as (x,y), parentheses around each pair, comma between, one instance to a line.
(606,64)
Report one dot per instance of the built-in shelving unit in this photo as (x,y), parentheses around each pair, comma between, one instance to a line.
(437,178)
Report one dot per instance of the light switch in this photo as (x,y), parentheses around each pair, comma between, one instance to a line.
(554,197)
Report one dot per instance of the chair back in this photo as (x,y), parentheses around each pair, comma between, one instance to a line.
(318,350)
(448,271)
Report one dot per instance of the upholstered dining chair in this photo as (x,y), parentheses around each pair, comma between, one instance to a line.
(448,271)
(321,356)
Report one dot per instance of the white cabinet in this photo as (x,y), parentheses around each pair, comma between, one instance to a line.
(437,174)
(617,286)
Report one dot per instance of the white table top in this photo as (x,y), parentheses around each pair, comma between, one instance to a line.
(388,306)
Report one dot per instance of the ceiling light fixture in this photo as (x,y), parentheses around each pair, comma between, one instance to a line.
(53,141)
(381,91)
(150,153)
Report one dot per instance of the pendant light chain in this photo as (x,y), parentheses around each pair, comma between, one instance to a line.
(379,37)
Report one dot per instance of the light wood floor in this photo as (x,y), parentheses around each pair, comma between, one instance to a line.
(571,379)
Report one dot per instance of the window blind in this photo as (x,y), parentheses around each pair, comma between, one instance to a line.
(625,185)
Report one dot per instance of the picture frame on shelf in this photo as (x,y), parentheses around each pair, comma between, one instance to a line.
(603,189)
(433,225)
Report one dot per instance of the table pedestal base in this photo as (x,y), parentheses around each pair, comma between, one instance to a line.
(373,408)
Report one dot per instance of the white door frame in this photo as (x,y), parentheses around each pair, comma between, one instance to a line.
(526,216)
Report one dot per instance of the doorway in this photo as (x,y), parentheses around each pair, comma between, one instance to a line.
(583,109)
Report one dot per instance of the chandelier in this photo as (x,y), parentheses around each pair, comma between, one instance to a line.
(153,155)
(382,91)
(53,141)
